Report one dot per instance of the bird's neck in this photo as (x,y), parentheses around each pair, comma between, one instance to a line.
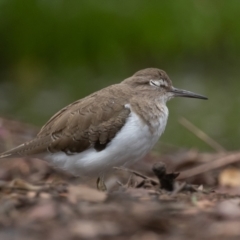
(151,111)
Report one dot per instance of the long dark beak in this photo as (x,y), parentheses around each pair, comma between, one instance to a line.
(183,93)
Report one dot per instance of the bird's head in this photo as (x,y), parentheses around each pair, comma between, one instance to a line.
(156,82)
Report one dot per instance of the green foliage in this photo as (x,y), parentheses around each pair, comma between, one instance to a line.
(53,52)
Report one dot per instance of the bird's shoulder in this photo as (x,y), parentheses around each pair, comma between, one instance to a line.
(91,121)
(91,110)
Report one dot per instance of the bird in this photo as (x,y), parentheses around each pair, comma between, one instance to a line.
(115,126)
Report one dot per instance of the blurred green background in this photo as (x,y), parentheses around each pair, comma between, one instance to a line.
(53,52)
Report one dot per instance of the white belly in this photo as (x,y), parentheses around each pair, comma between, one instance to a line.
(131,144)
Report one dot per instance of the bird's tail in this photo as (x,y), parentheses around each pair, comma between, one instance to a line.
(14,152)
(29,148)
(5,155)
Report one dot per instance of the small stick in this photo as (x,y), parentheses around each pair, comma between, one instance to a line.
(228,159)
(202,135)
(136,173)
(178,189)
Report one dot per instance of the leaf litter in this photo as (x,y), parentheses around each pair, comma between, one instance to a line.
(163,196)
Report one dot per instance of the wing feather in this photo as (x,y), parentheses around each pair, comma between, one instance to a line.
(90,122)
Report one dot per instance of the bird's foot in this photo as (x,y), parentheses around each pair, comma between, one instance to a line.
(101,184)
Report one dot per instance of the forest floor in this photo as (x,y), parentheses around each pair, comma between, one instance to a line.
(150,201)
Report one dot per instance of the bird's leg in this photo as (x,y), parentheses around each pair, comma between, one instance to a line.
(101,184)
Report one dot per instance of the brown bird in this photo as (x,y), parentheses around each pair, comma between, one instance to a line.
(115,126)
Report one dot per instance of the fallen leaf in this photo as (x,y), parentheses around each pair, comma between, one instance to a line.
(93,229)
(230,177)
(21,184)
(228,209)
(84,193)
(43,211)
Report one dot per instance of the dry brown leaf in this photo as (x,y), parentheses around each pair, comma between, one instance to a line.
(228,209)
(21,184)
(204,204)
(230,177)
(224,230)
(93,229)
(84,193)
(43,211)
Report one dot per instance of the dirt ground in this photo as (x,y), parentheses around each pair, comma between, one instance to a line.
(150,201)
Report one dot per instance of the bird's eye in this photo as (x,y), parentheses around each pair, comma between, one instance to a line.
(154,83)
(159,83)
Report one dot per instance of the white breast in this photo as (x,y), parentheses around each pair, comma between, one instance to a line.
(131,144)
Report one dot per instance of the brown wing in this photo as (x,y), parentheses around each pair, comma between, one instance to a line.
(90,122)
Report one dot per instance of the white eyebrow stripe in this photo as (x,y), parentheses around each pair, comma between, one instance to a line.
(155,83)
(158,83)
(163,82)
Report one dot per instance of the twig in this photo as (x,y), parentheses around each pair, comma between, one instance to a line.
(178,189)
(228,159)
(202,135)
(136,173)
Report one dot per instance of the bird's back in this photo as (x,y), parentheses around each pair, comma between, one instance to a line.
(80,125)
